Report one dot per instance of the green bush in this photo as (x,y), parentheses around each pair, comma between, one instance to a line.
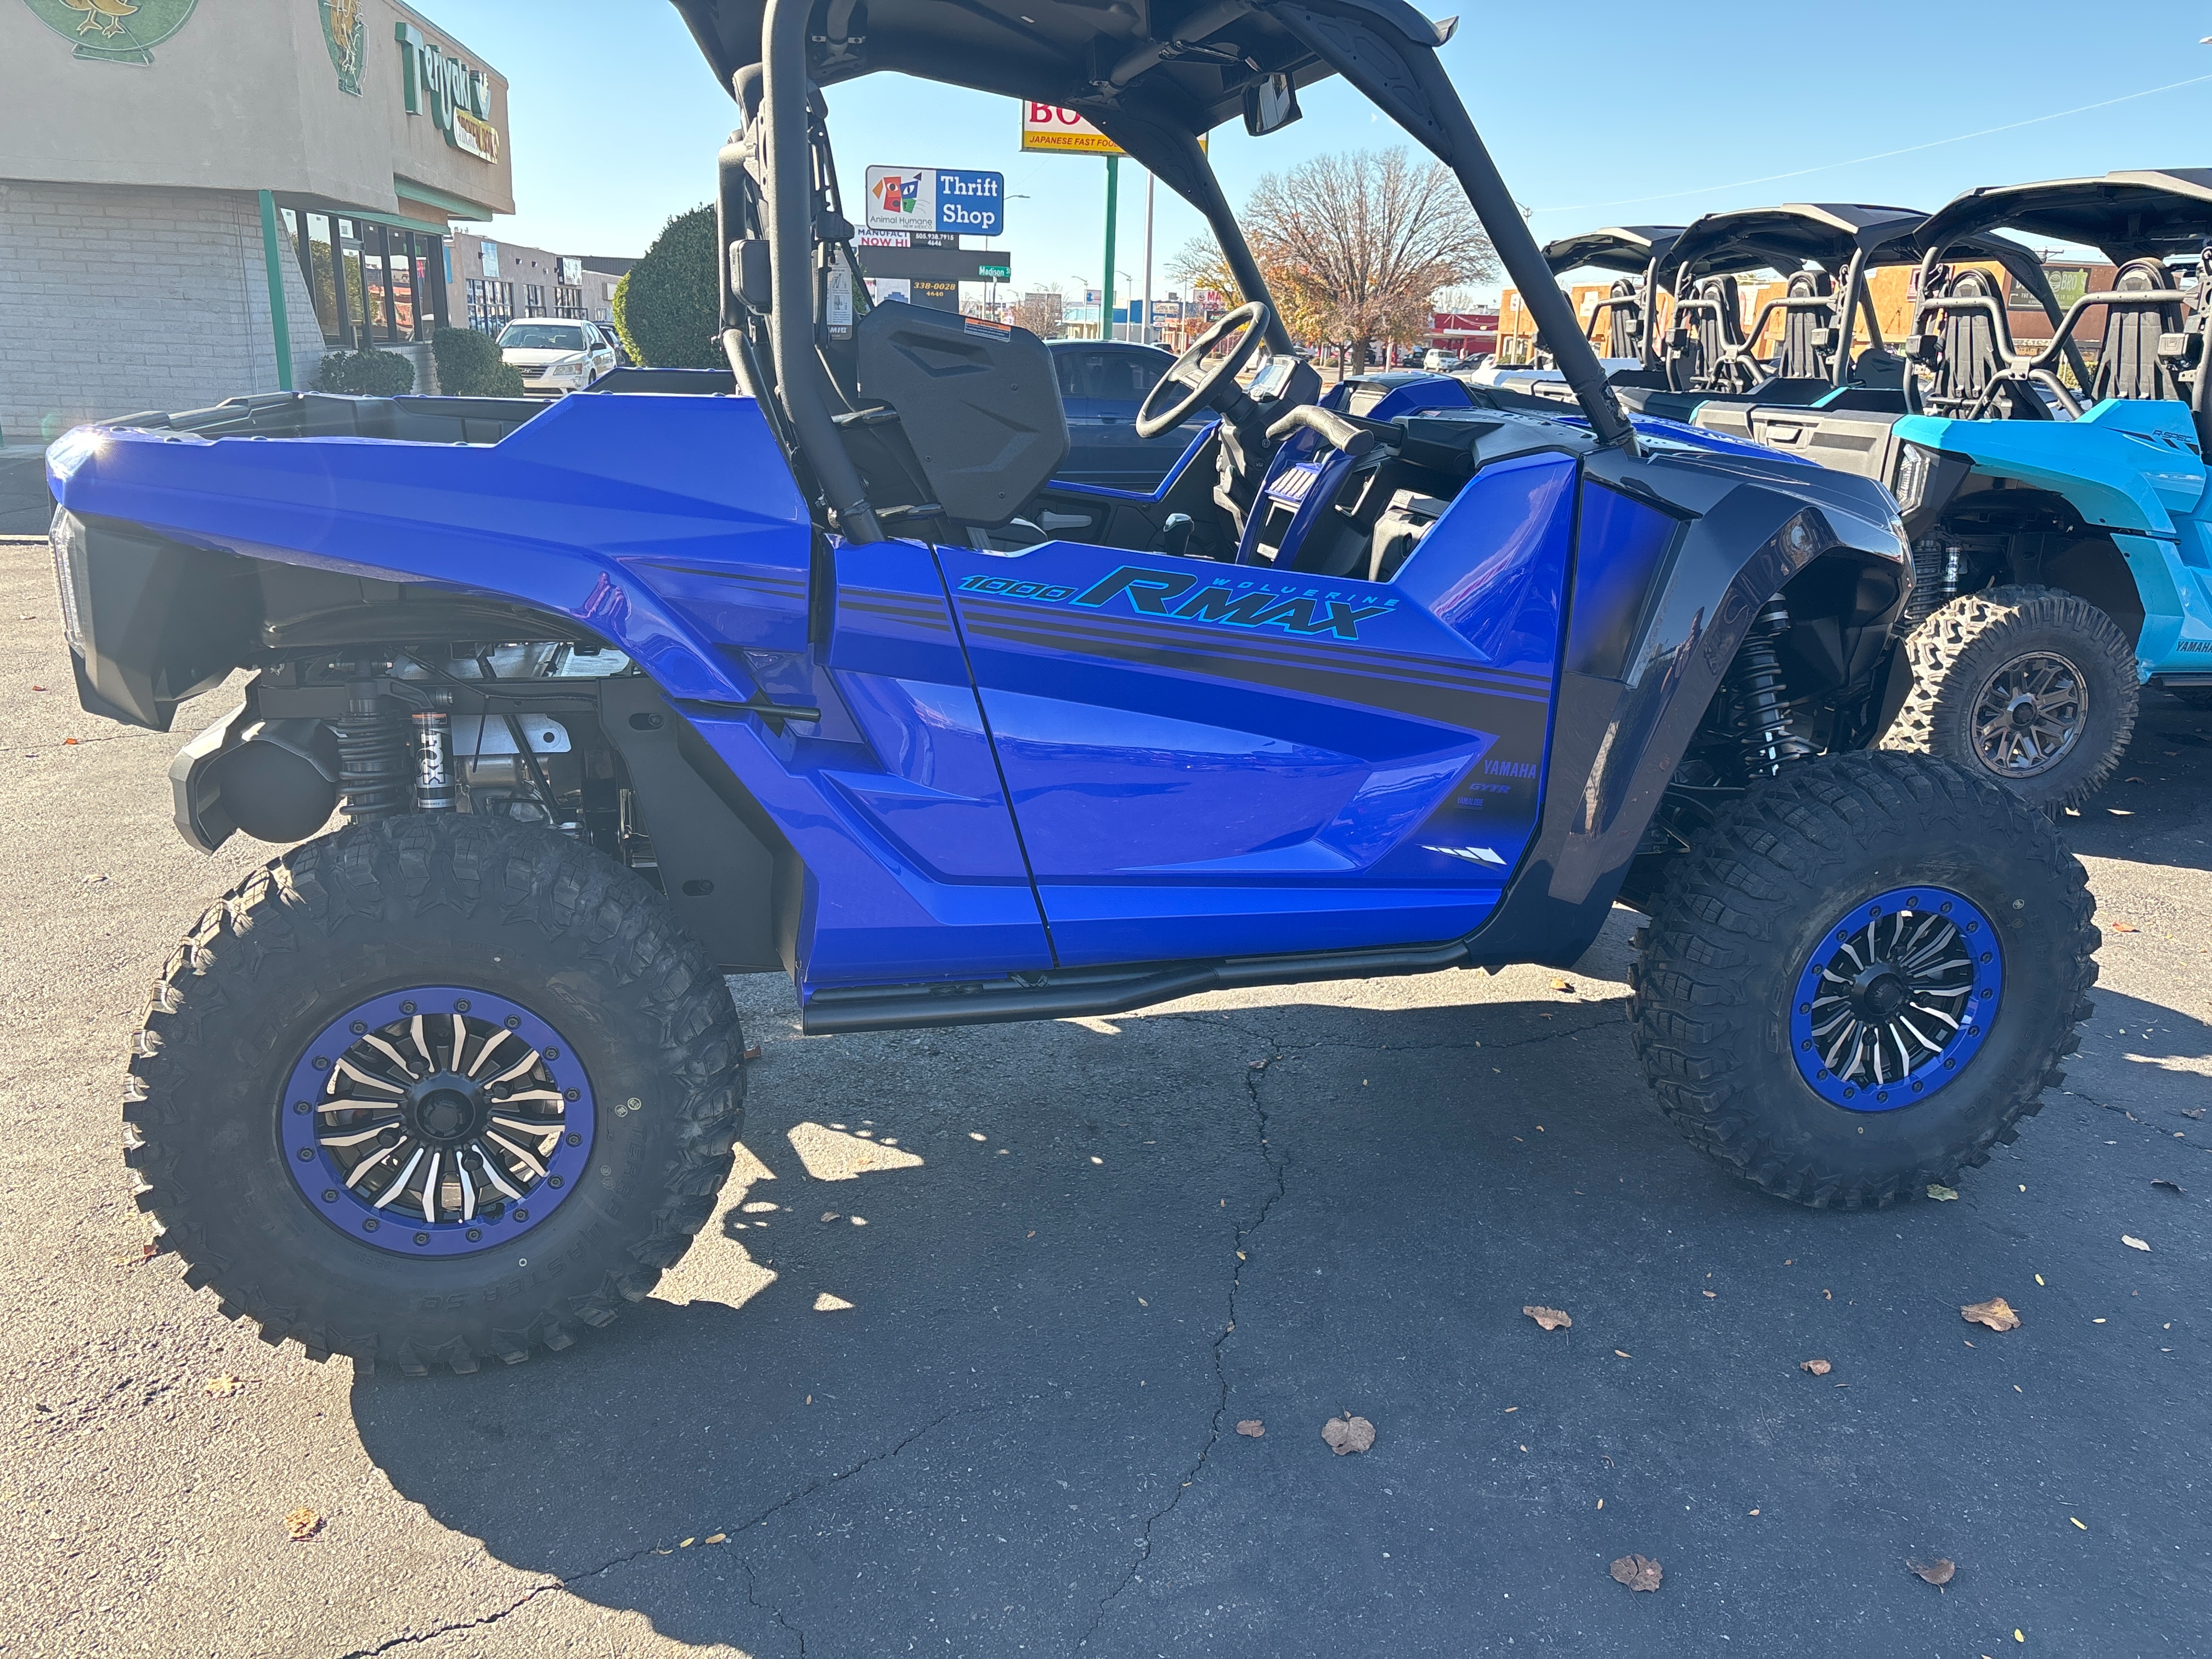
(367,373)
(470,365)
(667,309)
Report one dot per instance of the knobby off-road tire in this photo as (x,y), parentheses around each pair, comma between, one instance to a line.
(545,938)
(1969,653)
(1764,902)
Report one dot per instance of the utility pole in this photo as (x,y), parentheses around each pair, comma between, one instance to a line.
(1149,183)
(1106,286)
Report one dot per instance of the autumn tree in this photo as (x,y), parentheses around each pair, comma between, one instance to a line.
(1355,247)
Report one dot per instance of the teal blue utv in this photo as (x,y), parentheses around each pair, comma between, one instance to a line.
(2054,496)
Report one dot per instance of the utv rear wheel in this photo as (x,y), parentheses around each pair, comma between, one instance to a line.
(434,1090)
(1862,975)
(2034,688)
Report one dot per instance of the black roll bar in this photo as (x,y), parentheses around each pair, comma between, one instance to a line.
(798,371)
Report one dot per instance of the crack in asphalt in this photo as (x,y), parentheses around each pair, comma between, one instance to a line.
(1276,1167)
(416,1637)
(1255,1072)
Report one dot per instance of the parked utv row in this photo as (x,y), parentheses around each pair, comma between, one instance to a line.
(2055,498)
(785,671)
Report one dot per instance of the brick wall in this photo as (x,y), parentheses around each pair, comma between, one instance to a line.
(119,298)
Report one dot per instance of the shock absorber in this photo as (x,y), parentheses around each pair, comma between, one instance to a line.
(372,755)
(433,755)
(1755,682)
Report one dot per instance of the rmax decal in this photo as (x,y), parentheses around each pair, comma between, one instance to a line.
(1316,613)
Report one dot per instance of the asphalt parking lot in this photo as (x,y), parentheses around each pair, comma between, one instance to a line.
(958,1368)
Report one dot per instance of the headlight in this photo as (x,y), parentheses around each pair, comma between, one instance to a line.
(1912,472)
(72,575)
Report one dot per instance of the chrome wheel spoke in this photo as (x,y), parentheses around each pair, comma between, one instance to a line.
(354,1136)
(399,1181)
(529,1162)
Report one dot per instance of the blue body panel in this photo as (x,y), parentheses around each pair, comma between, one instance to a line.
(2131,467)
(1217,760)
(1073,755)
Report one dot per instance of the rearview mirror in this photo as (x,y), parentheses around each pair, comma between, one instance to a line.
(1271,105)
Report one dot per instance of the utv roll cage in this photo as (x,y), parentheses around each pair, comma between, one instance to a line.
(1634,253)
(2152,344)
(1153,78)
(1826,251)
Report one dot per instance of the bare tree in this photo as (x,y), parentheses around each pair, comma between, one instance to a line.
(1355,247)
(1039,312)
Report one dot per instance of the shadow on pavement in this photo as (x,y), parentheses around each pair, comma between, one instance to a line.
(1019,1435)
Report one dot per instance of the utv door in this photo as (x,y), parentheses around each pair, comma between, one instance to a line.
(1209,759)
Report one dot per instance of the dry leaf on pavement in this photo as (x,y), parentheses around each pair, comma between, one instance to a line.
(223,1386)
(2125,927)
(1818,1367)
(1563,985)
(1639,1572)
(1996,1313)
(1251,1428)
(302,1524)
(2170,1186)
(1348,1434)
(1942,1194)
(1938,1571)
(1552,1319)
(752,1051)
(2133,1242)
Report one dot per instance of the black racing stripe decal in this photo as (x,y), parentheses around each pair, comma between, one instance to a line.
(755,579)
(1166,629)
(1466,709)
(1058,631)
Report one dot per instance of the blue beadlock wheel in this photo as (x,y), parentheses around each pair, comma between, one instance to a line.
(437,1121)
(1897,998)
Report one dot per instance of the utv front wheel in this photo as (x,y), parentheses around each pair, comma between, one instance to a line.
(434,1090)
(2034,688)
(1862,975)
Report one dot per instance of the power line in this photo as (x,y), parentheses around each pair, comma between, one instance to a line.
(1882,155)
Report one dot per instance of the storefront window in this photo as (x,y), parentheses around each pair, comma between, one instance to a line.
(353,280)
(310,235)
(533,296)
(378,294)
(567,301)
(400,272)
(491,304)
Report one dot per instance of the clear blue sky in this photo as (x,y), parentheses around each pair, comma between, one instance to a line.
(1588,109)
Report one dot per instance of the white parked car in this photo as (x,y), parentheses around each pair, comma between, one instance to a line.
(556,354)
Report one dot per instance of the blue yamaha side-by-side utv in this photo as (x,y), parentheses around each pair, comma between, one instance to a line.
(644,688)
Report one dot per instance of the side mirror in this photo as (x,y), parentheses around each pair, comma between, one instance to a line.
(1271,105)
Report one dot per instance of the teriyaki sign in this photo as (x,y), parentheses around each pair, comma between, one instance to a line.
(456,98)
(950,201)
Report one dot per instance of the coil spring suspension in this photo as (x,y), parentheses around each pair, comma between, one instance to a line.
(1935,569)
(1756,682)
(372,755)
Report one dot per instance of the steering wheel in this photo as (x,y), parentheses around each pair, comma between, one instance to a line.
(1200,386)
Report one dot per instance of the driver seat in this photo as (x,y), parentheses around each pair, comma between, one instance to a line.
(2129,364)
(1808,351)
(1966,348)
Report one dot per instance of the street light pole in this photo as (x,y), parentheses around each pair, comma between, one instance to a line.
(1150,181)
(1106,289)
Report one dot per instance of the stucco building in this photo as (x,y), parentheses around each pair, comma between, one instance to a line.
(201,198)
